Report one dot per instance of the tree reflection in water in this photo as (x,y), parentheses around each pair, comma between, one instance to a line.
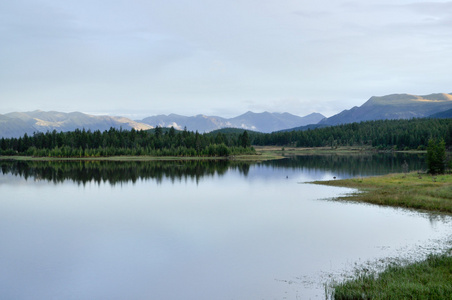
(114,172)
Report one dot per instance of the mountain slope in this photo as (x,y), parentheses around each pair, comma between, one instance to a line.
(268,122)
(442,115)
(262,122)
(201,123)
(18,123)
(12,127)
(397,106)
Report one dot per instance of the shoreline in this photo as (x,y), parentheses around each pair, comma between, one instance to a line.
(260,156)
(263,153)
(428,278)
(413,190)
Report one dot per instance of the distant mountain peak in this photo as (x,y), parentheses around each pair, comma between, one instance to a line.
(20,123)
(394,106)
(407,98)
(264,121)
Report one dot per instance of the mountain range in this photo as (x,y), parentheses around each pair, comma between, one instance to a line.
(18,123)
(262,122)
(396,106)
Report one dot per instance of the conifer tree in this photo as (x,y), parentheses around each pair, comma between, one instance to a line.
(436,156)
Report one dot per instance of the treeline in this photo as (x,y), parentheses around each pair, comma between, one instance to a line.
(381,134)
(81,143)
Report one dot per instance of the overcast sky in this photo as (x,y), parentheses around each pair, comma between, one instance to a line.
(139,58)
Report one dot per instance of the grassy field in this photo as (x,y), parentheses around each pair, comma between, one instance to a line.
(412,190)
(428,279)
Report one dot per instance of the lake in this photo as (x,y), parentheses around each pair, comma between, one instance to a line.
(198,230)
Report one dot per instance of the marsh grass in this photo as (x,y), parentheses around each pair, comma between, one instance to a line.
(428,279)
(401,190)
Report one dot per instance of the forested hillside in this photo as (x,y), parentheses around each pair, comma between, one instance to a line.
(382,134)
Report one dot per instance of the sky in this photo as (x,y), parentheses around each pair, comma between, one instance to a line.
(138,58)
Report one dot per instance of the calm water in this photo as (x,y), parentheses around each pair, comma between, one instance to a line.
(196,230)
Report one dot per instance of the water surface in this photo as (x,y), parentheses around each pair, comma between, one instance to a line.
(195,230)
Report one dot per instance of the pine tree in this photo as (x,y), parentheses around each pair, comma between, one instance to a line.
(436,156)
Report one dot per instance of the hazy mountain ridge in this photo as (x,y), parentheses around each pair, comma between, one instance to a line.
(262,122)
(14,127)
(395,106)
(18,123)
(201,123)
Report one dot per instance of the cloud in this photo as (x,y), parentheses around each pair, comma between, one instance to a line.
(220,57)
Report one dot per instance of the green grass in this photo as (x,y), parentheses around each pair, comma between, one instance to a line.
(428,279)
(417,191)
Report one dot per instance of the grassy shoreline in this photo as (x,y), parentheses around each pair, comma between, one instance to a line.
(263,153)
(412,190)
(342,150)
(260,156)
(427,279)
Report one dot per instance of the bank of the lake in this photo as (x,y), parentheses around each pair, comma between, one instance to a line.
(428,279)
(340,150)
(413,190)
(263,153)
(261,156)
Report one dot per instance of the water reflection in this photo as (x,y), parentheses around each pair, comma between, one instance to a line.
(231,231)
(83,172)
(366,164)
(113,172)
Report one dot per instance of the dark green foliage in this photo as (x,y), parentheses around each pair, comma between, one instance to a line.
(81,143)
(244,140)
(436,156)
(228,131)
(381,134)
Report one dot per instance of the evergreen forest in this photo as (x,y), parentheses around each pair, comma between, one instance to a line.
(114,142)
(380,135)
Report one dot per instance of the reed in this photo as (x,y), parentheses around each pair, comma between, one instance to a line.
(428,279)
